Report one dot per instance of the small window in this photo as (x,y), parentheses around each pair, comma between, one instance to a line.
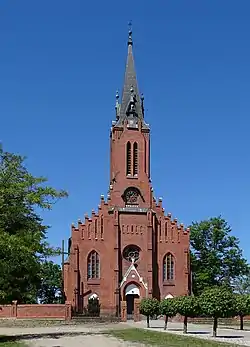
(168,267)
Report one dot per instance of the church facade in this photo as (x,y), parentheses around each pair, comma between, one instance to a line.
(129,248)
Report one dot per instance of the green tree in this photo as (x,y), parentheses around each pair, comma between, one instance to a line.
(242,307)
(188,306)
(22,233)
(149,307)
(50,291)
(218,302)
(168,308)
(216,258)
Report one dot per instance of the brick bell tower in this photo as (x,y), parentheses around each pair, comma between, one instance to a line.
(129,248)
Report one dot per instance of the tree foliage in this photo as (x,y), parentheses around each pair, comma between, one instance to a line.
(149,307)
(242,307)
(50,290)
(23,244)
(218,302)
(188,306)
(168,308)
(216,258)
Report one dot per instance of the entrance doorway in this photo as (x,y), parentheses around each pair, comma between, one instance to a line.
(132,292)
(130,299)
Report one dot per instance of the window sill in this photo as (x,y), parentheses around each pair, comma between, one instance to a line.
(169,283)
(94,281)
(135,177)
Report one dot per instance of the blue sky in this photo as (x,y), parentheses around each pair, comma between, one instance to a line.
(60,65)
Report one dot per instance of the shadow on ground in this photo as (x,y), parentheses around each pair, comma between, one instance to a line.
(55,336)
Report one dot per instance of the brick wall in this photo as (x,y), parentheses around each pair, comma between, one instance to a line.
(53,311)
(6,311)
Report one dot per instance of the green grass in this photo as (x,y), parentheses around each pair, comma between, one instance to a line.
(12,344)
(161,339)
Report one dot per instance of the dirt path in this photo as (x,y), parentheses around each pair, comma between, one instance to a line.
(80,341)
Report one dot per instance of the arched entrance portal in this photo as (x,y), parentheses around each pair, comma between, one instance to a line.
(132,292)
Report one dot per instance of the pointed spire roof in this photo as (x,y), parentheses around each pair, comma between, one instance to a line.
(131,101)
(130,81)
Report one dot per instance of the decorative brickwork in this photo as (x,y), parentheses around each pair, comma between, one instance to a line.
(129,217)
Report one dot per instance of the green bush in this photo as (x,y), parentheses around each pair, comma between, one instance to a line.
(149,307)
(168,308)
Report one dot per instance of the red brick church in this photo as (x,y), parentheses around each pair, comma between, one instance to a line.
(128,248)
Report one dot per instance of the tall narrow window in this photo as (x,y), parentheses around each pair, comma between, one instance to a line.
(168,267)
(89,232)
(101,227)
(128,158)
(135,159)
(93,265)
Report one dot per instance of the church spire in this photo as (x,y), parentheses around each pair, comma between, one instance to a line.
(131,104)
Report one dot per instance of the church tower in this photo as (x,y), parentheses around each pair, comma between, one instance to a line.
(130,144)
(129,248)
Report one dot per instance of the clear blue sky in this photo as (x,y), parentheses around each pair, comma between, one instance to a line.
(60,65)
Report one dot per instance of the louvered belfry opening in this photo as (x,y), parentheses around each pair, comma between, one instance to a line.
(128,158)
(135,159)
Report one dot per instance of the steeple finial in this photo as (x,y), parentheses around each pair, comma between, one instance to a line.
(130,40)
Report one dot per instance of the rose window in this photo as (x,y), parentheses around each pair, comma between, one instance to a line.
(131,253)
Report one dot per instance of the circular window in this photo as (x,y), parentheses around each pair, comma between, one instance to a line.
(131,253)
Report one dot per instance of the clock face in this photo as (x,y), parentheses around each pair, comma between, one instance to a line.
(131,196)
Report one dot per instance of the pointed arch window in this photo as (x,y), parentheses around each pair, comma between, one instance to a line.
(135,159)
(168,267)
(128,158)
(93,265)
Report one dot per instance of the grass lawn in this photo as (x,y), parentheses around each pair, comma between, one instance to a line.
(161,339)
(12,344)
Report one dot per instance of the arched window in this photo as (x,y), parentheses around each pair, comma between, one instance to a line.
(168,267)
(128,158)
(135,159)
(93,265)
(131,253)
